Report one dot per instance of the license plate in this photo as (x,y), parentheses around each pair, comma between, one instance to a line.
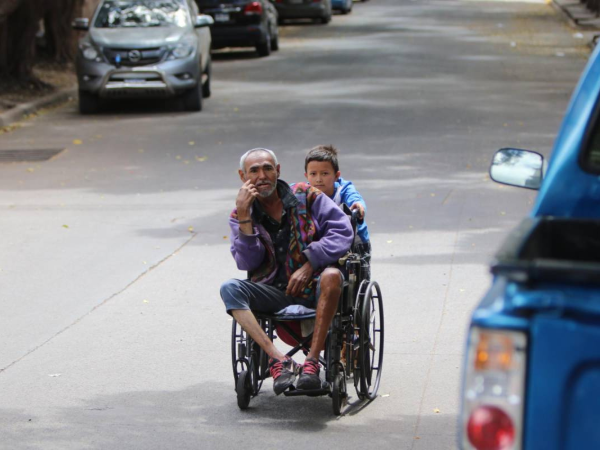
(136,80)
(295,2)
(222,17)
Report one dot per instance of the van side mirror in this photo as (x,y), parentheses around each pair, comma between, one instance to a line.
(515,167)
(203,20)
(81,24)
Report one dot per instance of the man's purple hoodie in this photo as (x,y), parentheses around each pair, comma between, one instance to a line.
(333,238)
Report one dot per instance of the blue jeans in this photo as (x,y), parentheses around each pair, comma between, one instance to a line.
(244,294)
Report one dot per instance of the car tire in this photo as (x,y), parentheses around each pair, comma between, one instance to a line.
(206,85)
(347,9)
(192,99)
(275,43)
(326,19)
(264,49)
(88,102)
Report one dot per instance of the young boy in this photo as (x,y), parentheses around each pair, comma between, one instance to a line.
(323,172)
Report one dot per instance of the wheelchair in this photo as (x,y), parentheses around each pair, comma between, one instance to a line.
(353,348)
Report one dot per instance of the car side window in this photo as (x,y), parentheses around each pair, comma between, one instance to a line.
(590,156)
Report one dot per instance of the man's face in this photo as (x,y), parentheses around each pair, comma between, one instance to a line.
(262,172)
(320,174)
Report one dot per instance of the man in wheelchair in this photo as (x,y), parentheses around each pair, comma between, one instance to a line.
(286,238)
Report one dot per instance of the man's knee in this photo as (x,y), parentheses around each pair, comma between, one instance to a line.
(233,295)
(331,279)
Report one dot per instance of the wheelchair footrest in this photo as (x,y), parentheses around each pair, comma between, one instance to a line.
(293,392)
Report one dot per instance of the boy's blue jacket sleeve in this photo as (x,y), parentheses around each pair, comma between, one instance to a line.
(349,193)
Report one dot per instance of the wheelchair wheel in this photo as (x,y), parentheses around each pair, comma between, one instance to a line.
(339,393)
(371,334)
(244,389)
(247,356)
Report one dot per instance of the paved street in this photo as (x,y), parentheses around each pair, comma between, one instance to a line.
(112,252)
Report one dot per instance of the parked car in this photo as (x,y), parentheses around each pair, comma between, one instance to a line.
(243,23)
(144,48)
(343,6)
(304,9)
(531,378)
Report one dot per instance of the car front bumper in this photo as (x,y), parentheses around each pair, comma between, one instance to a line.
(165,79)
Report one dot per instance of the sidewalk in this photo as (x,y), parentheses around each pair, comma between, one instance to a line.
(21,111)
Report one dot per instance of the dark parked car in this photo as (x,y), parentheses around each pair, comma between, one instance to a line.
(243,23)
(144,48)
(304,9)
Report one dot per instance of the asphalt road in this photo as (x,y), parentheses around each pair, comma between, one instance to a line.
(112,253)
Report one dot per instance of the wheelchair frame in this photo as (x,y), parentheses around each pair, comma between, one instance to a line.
(357,329)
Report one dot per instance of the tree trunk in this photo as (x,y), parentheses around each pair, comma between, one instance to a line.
(61,40)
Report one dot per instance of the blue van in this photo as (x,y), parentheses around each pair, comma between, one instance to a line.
(531,376)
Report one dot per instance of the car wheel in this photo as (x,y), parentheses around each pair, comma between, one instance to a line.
(264,49)
(326,19)
(275,42)
(206,85)
(88,102)
(192,99)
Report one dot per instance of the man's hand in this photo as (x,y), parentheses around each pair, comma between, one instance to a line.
(361,209)
(244,199)
(299,280)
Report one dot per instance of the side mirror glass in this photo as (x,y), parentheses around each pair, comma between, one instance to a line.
(203,20)
(81,24)
(522,168)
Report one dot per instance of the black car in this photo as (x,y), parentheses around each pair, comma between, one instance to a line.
(243,23)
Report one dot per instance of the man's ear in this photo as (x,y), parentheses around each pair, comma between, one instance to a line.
(242,175)
(337,174)
(278,170)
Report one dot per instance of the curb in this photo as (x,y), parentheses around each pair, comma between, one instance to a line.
(577,21)
(18,112)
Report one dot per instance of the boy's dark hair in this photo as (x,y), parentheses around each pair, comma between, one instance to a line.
(323,153)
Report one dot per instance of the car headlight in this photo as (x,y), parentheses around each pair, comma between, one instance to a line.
(90,52)
(494,379)
(182,50)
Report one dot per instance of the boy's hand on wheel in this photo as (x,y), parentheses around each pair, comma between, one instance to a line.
(361,209)
(299,280)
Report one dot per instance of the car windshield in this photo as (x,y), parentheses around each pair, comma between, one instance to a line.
(141,13)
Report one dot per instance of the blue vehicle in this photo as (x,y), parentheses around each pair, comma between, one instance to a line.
(343,6)
(531,377)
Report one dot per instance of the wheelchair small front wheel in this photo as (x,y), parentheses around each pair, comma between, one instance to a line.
(244,389)
(339,393)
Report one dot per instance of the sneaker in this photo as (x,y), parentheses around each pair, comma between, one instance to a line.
(309,375)
(283,373)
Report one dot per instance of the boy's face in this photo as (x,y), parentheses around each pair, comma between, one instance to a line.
(321,175)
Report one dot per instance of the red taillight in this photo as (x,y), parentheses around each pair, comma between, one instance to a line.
(253,8)
(490,428)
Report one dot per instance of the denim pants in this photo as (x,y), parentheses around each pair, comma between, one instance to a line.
(245,294)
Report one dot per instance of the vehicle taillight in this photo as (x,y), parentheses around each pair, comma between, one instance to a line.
(490,428)
(253,8)
(494,390)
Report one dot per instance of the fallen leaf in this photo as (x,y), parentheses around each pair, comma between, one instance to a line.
(178,157)
(436,410)
(54,375)
(236,109)
(65,226)
(432,194)
(191,142)
(190,229)
(144,262)
(201,158)
(77,141)
(225,237)
(385,395)
(389,242)
(140,150)
(30,169)
(146,301)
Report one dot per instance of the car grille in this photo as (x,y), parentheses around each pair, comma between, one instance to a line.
(134,56)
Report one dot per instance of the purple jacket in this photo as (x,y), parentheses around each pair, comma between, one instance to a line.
(333,238)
